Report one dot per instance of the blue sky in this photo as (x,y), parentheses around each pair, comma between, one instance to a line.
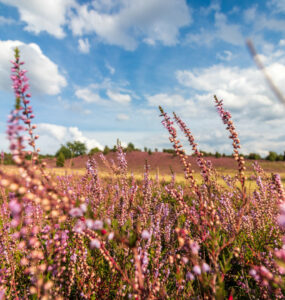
(99,69)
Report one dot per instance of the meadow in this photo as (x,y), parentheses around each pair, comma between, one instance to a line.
(89,234)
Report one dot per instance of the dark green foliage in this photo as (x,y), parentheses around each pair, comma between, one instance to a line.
(254,156)
(94,150)
(77,148)
(60,160)
(172,151)
(218,155)
(272,156)
(106,150)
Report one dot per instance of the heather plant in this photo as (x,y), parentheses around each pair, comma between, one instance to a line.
(85,237)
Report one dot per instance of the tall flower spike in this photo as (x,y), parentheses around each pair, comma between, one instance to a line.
(226,118)
(205,171)
(21,87)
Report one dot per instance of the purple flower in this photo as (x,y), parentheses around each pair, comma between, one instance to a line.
(76,212)
(15,207)
(197,270)
(205,267)
(95,244)
(145,235)
(98,225)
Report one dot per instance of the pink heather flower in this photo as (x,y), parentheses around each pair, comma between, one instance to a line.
(205,268)
(185,259)
(195,247)
(76,212)
(145,235)
(190,276)
(282,208)
(15,207)
(281,220)
(89,223)
(197,270)
(82,206)
(98,225)
(79,226)
(95,244)
(111,236)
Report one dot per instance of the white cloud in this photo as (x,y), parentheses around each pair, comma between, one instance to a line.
(83,45)
(122,117)
(110,68)
(43,73)
(57,135)
(225,55)
(88,95)
(118,97)
(49,16)
(223,31)
(122,22)
(114,93)
(6,21)
(239,87)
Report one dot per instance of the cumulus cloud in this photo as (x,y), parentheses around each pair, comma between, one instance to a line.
(240,87)
(49,16)
(57,135)
(87,95)
(84,46)
(118,97)
(121,23)
(122,117)
(43,73)
(113,93)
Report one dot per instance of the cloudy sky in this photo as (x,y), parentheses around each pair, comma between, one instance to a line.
(99,69)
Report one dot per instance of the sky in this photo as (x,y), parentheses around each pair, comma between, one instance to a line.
(98,70)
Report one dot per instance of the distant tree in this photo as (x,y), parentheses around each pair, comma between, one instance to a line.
(77,148)
(66,152)
(106,150)
(254,156)
(149,152)
(172,151)
(218,154)
(94,150)
(272,156)
(145,149)
(156,150)
(130,147)
(60,160)
(280,157)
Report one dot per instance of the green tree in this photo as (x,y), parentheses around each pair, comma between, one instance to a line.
(77,148)
(106,150)
(66,152)
(94,150)
(272,156)
(60,160)
(254,156)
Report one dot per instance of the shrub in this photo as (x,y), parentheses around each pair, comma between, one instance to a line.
(94,150)
(60,160)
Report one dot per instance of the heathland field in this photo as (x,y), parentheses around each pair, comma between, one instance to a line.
(138,225)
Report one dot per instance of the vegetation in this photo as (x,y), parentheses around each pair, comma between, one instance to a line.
(86,238)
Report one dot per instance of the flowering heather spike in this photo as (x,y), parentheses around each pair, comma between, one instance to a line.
(226,118)
(20,86)
(168,124)
(200,161)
